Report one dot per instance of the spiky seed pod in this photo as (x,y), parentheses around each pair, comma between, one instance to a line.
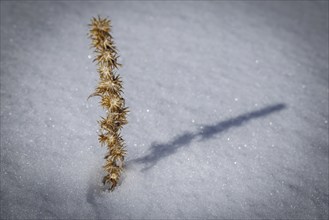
(114,140)
(113,103)
(117,153)
(102,138)
(104,71)
(109,89)
(111,85)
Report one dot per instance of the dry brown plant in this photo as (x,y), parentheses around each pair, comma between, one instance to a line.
(110,91)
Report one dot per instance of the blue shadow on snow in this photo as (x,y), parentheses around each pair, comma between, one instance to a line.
(160,151)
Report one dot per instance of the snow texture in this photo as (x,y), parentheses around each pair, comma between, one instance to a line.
(228,110)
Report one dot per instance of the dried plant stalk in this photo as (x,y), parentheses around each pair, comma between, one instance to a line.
(109,89)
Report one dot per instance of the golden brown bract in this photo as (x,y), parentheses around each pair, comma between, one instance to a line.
(109,89)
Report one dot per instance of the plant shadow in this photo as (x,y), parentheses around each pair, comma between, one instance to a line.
(160,151)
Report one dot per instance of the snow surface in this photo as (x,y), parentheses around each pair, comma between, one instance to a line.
(228,101)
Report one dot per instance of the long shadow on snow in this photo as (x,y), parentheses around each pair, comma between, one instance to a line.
(160,151)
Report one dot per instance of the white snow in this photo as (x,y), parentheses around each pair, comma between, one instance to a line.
(228,110)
